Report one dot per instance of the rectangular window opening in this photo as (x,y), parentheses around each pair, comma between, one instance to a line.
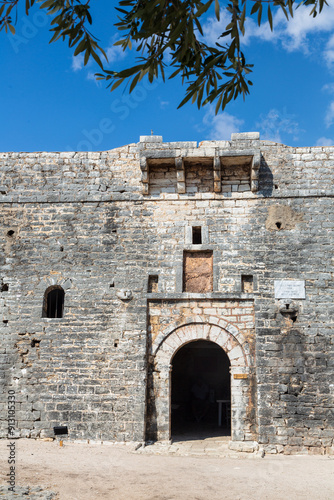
(153,281)
(197,235)
(247,283)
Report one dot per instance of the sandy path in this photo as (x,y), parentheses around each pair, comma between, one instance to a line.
(86,472)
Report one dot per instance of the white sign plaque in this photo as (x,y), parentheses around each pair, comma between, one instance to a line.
(289,289)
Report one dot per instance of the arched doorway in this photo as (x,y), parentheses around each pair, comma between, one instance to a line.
(200,377)
(165,347)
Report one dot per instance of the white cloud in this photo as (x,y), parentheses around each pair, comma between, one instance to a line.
(329,117)
(329,87)
(212,29)
(91,76)
(274,123)
(221,126)
(164,104)
(292,35)
(77,62)
(329,52)
(115,53)
(324,141)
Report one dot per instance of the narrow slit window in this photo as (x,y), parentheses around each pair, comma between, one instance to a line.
(54,303)
(153,284)
(197,235)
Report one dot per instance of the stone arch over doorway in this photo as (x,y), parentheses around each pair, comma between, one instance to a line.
(231,340)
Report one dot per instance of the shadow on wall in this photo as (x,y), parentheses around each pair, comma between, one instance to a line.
(266,179)
(151,431)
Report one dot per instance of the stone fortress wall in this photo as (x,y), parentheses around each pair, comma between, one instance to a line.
(114,231)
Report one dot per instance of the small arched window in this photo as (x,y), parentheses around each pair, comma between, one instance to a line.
(53,305)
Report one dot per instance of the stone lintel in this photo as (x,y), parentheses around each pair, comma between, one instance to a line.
(200,296)
(150,138)
(242,136)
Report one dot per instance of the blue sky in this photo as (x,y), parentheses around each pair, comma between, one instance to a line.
(51,102)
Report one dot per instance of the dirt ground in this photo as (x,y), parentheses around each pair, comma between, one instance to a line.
(78,471)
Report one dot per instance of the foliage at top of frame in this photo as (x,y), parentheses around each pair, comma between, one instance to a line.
(166,34)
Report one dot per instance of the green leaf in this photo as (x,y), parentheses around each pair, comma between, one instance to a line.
(97,59)
(185,100)
(87,54)
(134,82)
(120,42)
(259,15)
(255,8)
(270,18)
(217,9)
(218,104)
(117,84)
(47,4)
(80,48)
(203,8)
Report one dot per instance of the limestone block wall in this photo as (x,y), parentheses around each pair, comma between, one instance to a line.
(88,367)
(83,221)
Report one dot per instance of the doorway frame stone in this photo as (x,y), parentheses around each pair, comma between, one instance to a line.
(232,341)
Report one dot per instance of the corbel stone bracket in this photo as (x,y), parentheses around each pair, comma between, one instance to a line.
(217,175)
(124,294)
(180,175)
(144,174)
(255,171)
(289,310)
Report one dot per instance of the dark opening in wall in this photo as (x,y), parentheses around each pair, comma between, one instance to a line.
(116,342)
(278,225)
(4,287)
(35,343)
(59,430)
(197,235)
(198,272)
(53,306)
(5,321)
(152,286)
(247,283)
(10,233)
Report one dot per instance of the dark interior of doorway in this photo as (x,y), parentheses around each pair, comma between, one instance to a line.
(200,377)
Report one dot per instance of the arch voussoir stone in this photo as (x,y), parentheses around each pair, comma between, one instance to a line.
(186,332)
